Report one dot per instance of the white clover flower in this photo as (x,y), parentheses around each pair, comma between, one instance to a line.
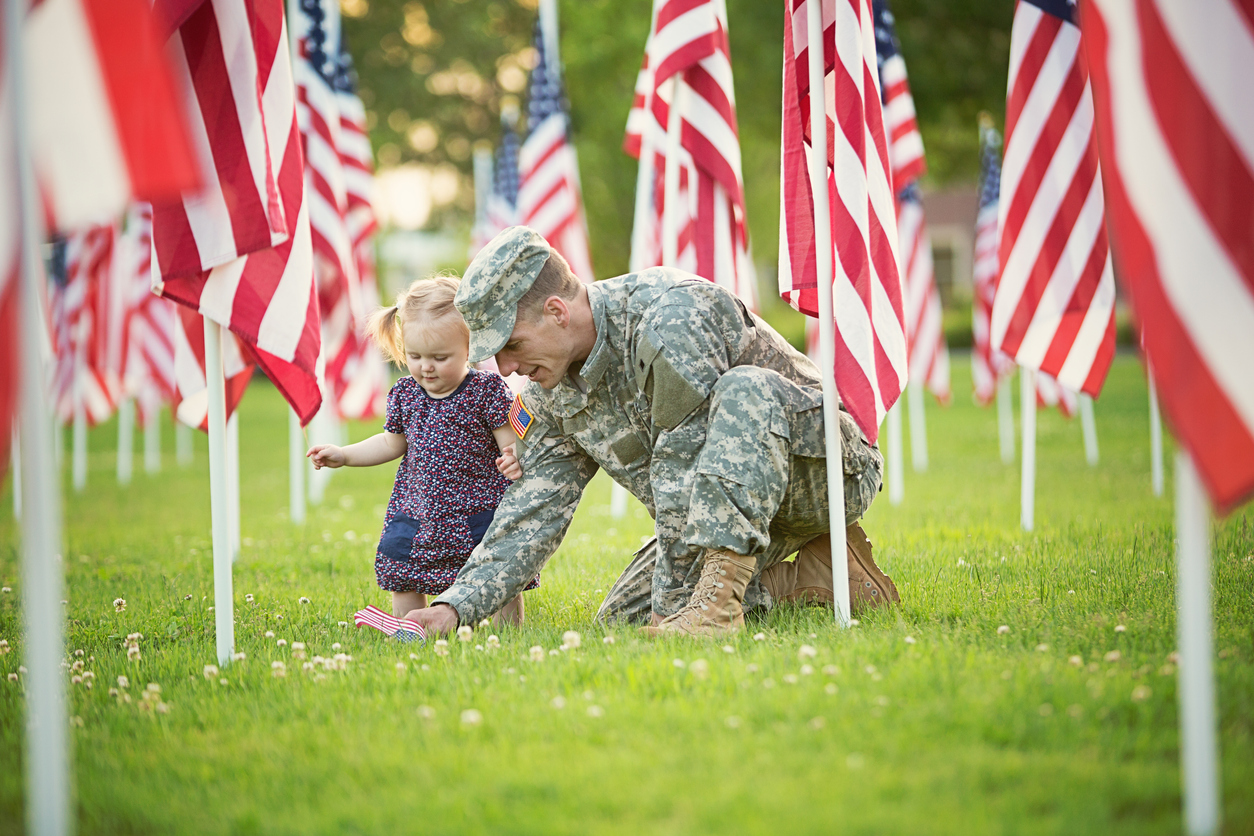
(153,688)
(132,653)
(1042,648)
(759,637)
(79,653)
(278,616)
(307,666)
(77,666)
(485,622)
(471,717)
(733,722)
(119,604)
(441,647)
(1119,628)
(853,622)
(75,679)
(830,688)
(224,681)
(248,598)
(699,668)
(1141,693)
(790,678)
(558,702)
(298,645)
(187,597)
(679,663)
(13,677)
(806,670)
(478,648)
(211,609)
(1114,656)
(401,667)
(88,675)
(464,632)
(76,721)
(113,692)
(239,656)
(426,712)
(727,648)
(806,652)
(304,600)
(162,708)
(768,683)
(1076,661)
(909,640)
(210,671)
(607,640)
(537,653)
(4,646)
(571,639)
(1003,629)
(494,641)
(343,624)
(278,669)
(831,670)
(336,646)
(596,711)
(123,682)
(269,634)
(751,668)
(5,590)
(555,651)
(281,643)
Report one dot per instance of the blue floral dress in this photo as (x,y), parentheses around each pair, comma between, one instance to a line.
(447,485)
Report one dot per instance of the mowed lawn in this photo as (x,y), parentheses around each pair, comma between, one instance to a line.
(924,719)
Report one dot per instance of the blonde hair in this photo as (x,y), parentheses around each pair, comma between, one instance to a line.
(426,301)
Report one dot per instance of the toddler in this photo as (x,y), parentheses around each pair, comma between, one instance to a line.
(447,423)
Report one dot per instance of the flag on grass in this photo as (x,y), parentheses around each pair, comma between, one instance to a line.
(925,332)
(549,195)
(240,251)
(1054,308)
(687,64)
(1171,87)
(870,348)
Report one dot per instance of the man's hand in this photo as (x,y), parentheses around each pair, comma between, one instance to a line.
(437,619)
(508,464)
(326,455)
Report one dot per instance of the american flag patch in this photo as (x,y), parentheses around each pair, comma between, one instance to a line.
(520,417)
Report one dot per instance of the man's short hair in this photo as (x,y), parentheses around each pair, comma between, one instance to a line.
(554,279)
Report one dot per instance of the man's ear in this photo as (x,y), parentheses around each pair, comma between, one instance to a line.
(556,307)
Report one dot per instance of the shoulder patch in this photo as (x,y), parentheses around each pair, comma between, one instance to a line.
(520,418)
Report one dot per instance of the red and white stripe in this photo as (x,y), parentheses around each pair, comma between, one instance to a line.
(987,366)
(358,160)
(385,622)
(264,292)
(1049,392)
(870,348)
(86,334)
(191,401)
(1176,133)
(689,47)
(549,193)
(104,120)
(1055,303)
(356,372)
(925,332)
(905,147)
(148,374)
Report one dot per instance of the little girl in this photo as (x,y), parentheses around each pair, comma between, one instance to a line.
(448,424)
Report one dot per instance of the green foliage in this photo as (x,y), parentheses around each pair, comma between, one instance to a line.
(924,719)
(957,52)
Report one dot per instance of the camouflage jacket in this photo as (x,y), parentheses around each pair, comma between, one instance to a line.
(663,338)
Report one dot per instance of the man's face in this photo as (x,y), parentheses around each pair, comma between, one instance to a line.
(539,349)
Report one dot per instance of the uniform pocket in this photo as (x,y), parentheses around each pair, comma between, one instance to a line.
(478,524)
(397,541)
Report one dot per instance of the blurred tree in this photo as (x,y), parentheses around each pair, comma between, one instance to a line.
(433,76)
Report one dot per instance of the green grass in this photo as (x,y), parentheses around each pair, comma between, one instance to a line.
(962,731)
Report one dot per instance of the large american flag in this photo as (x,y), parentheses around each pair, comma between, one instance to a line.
(500,210)
(1171,84)
(905,143)
(689,45)
(925,332)
(1054,308)
(191,400)
(87,372)
(870,348)
(987,366)
(549,195)
(240,251)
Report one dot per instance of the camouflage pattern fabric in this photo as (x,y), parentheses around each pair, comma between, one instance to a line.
(496,279)
(701,410)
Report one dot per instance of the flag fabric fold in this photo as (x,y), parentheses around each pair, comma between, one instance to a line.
(1170,85)
(870,349)
(988,366)
(925,332)
(905,143)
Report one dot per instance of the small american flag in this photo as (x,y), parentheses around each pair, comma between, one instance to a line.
(86,336)
(520,417)
(501,206)
(151,321)
(240,252)
(925,332)
(398,628)
(905,143)
(870,348)
(689,45)
(987,366)
(549,195)
(1054,308)
(1171,87)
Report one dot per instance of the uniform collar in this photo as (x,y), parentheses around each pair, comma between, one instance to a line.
(599,359)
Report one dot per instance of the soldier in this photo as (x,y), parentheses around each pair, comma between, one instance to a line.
(695,405)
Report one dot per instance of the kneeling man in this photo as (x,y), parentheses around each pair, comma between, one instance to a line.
(691,402)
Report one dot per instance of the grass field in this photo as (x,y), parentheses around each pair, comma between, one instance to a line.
(926,719)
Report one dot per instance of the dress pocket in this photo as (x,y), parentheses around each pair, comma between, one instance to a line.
(397,541)
(478,524)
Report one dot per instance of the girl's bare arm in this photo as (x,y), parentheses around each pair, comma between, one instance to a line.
(377,449)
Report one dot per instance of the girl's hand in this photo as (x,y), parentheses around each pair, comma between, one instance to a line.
(326,455)
(508,464)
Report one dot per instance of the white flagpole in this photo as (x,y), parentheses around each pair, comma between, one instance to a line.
(318,435)
(1006,420)
(223,600)
(918,427)
(47,756)
(232,482)
(1199,748)
(126,440)
(896,452)
(182,442)
(483,182)
(152,443)
(78,459)
(1090,429)
(295,469)
(1027,495)
(1156,437)
(827,323)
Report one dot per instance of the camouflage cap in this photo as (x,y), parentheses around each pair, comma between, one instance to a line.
(496,279)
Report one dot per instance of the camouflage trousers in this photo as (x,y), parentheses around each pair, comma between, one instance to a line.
(754,476)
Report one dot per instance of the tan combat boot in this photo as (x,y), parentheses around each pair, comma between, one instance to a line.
(716,606)
(808,579)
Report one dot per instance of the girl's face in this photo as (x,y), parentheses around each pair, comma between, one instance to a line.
(436,355)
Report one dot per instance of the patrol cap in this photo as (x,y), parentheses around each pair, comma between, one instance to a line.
(496,279)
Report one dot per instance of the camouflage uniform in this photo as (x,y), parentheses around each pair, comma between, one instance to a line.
(695,405)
